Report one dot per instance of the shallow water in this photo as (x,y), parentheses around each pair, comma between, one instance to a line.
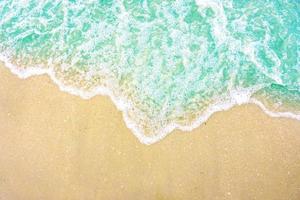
(165,64)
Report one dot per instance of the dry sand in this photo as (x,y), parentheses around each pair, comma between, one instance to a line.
(57,146)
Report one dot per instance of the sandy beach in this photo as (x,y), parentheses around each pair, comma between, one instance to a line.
(54,145)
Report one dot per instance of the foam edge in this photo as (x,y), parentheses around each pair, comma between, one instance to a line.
(123,105)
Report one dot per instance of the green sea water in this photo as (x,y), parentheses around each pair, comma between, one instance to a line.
(166,64)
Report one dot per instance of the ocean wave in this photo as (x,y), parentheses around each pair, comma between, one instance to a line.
(167,65)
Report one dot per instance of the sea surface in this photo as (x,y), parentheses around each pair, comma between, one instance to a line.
(165,64)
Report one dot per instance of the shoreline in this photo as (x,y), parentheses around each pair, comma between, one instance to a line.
(237,97)
(58,146)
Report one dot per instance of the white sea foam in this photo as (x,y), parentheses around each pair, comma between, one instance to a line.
(219,22)
(236,97)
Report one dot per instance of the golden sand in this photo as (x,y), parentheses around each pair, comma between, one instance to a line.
(57,146)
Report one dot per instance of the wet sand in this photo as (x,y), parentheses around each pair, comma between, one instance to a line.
(57,146)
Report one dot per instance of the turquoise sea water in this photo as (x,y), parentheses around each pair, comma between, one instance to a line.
(166,64)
